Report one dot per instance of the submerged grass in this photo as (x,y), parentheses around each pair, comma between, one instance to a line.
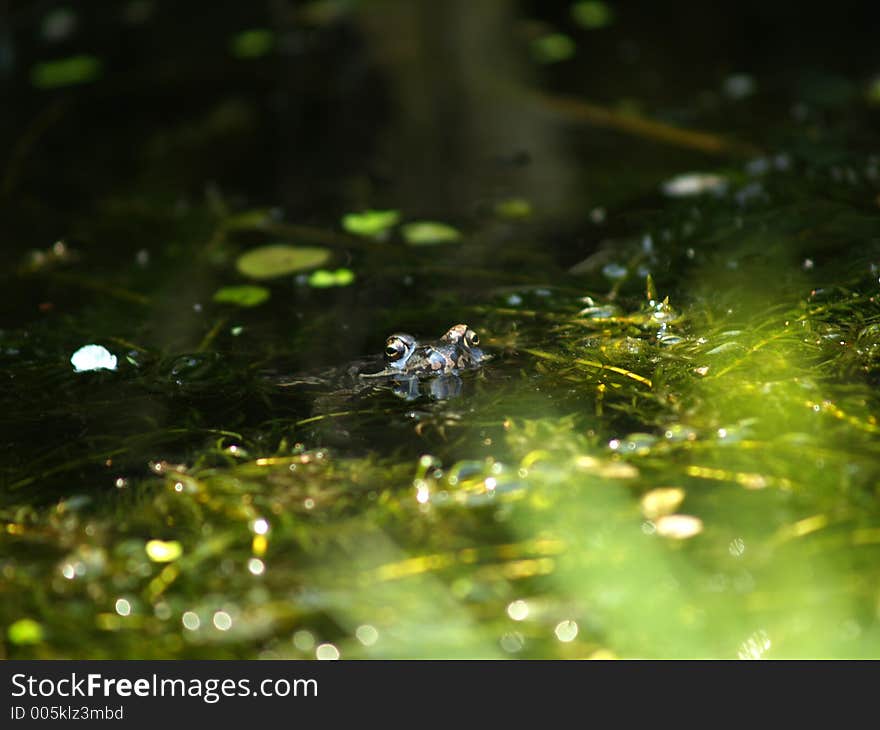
(691,476)
(673,453)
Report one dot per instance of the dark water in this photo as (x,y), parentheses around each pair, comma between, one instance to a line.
(667,237)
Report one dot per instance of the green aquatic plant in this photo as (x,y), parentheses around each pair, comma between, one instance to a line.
(242,296)
(429,233)
(273,261)
(66,72)
(252,43)
(673,450)
(591,14)
(322,278)
(553,48)
(370,222)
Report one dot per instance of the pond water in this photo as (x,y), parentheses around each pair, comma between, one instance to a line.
(663,224)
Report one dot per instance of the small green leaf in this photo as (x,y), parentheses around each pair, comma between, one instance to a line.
(269,262)
(65,72)
(873,93)
(245,295)
(344,277)
(252,43)
(553,48)
(321,279)
(428,233)
(592,14)
(25,631)
(160,551)
(249,219)
(370,222)
(513,208)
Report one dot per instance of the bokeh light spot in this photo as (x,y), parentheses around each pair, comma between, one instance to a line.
(327,652)
(566,630)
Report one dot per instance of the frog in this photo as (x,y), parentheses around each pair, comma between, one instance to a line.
(405,360)
(456,350)
(404,354)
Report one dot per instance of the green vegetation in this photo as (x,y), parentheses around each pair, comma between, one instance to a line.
(323,278)
(592,14)
(552,48)
(270,262)
(370,222)
(243,296)
(66,72)
(252,43)
(428,233)
(673,452)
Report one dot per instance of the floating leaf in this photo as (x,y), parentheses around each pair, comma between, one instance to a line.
(252,43)
(427,233)
(93,357)
(322,278)
(591,14)
(513,208)
(249,219)
(160,551)
(245,295)
(553,48)
(65,72)
(370,222)
(269,262)
(25,631)
(325,12)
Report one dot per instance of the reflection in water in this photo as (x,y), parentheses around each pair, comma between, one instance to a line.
(438,387)
(457,78)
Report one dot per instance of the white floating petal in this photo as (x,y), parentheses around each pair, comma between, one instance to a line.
(93,357)
(694,183)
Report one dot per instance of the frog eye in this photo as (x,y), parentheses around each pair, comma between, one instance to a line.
(398,347)
(394,348)
(472,338)
(454,334)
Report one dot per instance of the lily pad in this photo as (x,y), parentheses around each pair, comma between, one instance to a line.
(591,14)
(252,43)
(249,219)
(321,279)
(553,48)
(370,222)
(65,72)
(428,233)
(513,208)
(270,262)
(25,631)
(245,295)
